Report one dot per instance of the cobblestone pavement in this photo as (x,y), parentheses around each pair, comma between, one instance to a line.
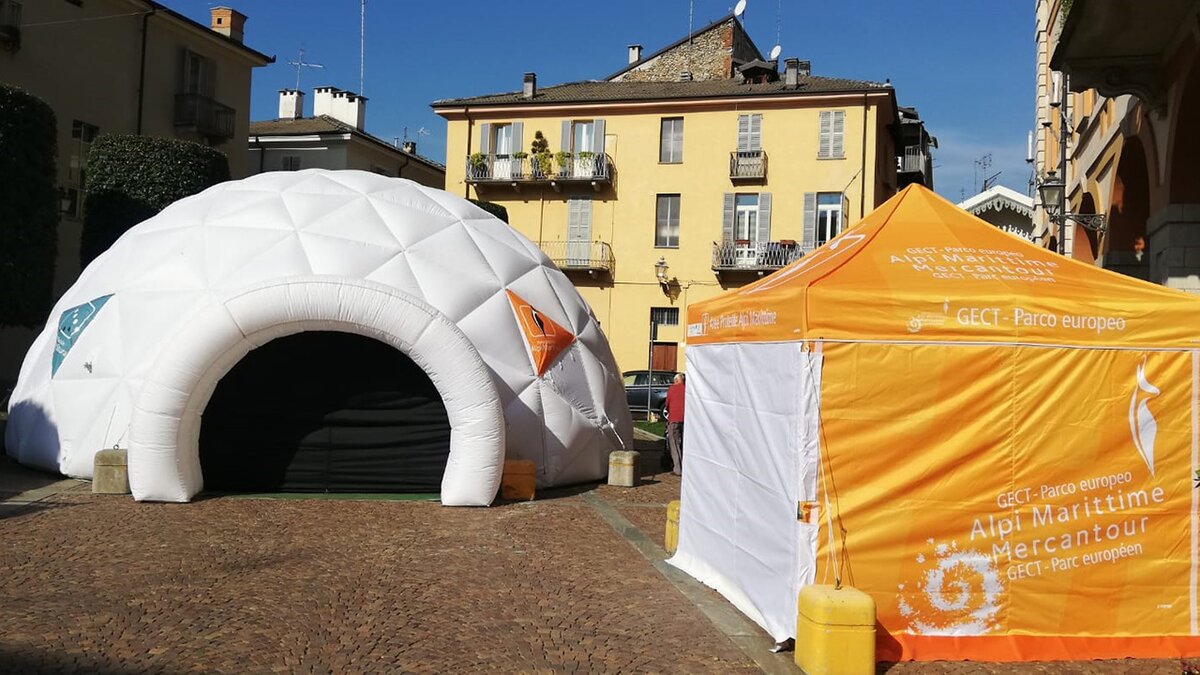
(104,585)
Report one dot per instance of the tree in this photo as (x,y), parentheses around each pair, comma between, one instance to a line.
(28,208)
(492,208)
(132,178)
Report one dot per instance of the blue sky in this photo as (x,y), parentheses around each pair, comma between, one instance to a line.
(966,65)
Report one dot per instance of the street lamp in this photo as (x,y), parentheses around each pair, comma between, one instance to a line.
(1053,195)
(660,270)
(1053,187)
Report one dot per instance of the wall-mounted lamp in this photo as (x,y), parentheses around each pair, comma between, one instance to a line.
(660,270)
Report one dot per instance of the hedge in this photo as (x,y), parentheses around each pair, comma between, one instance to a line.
(28,208)
(131,178)
(492,208)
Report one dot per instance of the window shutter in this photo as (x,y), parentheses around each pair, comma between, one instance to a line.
(566,136)
(809,240)
(518,128)
(743,133)
(839,127)
(727,220)
(755,133)
(764,217)
(824,147)
(598,137)
(485,138)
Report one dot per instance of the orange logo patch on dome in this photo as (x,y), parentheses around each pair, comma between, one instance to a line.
(546,339)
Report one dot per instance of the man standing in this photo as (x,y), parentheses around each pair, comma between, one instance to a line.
(674,405)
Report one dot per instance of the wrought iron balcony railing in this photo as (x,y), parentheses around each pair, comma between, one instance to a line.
(755,256)
(747,165)
(593,168)
(593,257)
(204,115)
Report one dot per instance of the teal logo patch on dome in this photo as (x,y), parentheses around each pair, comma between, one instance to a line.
(71,326)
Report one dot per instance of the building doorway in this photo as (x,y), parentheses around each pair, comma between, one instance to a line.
(324,412)
(663,356)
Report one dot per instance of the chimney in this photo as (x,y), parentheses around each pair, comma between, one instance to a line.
(805,68)
(228,22)
(635,53)
(685,76)
(323,100)
(791,72)
(350,108)
(291,104)
(409,147)
(529,86)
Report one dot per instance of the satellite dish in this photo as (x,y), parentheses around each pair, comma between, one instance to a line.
(775,51)
(740,8)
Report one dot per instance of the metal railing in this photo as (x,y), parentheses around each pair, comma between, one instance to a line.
(530,169)
(754,255)
(590,256)
(747,164)
(912,161)
(207,116)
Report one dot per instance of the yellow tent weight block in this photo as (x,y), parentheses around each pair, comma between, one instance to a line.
(671,541)
(835,631)
(519,480)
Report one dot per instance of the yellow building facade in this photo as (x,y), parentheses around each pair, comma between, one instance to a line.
(723,181)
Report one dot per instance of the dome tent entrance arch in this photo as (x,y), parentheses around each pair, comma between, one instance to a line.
(164,459)
(322,411)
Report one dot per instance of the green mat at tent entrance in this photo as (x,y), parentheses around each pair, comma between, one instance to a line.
(351,496)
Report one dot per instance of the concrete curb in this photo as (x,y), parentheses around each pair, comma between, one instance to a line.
(721,614)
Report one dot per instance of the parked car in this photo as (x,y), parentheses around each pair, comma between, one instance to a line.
(638,387)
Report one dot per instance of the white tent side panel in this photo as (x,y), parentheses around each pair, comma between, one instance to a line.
(750,459)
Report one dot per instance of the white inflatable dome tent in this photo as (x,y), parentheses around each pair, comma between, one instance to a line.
(321,330)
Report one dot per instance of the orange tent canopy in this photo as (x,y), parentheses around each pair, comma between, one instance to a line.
(919,268)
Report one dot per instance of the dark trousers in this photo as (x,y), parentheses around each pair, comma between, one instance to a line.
(675,445)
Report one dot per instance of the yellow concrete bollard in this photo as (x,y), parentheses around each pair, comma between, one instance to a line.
(835,631)
(519,480)
(672,539)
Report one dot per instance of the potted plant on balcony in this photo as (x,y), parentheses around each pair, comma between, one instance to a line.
(539,149)
(563,159)
(519,163)
(478,163)
(585,164)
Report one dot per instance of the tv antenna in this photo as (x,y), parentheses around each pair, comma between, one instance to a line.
(362,47)
(300,63)
(739,9)
(778,48)
(982,166)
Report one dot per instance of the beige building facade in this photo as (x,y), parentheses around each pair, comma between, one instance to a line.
(1118,87)
(656,193)
(123,67)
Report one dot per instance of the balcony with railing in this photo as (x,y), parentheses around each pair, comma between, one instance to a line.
(747,165)
(10,25)
(912,161)
(204,116)
(593,168)
(754,256)
(593,257)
